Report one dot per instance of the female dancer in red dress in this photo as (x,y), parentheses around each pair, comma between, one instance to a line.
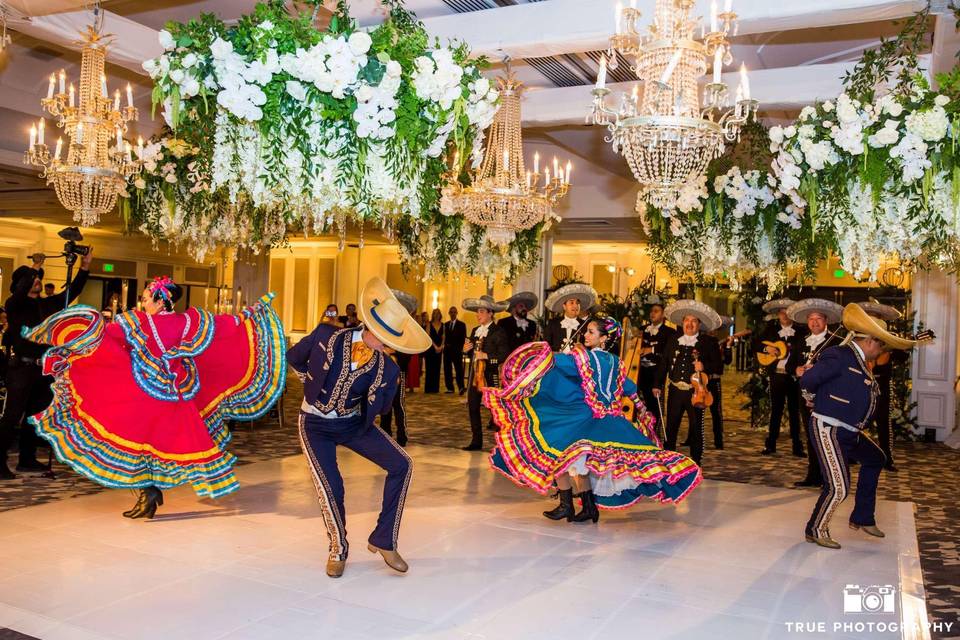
(142,402)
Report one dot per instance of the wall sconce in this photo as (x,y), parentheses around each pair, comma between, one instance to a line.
(630,271)
(612,268)
(436,299)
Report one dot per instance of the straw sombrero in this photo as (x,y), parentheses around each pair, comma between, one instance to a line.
(528,298)
(799,311)
(484,302)
(883,311)
(386,318)
(775,305)
(861,324)
(586,294)
(709,319)
(408,301)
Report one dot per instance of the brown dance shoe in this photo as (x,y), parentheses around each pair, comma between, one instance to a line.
(825,541)
(392,558)
(870,529)
(335,567)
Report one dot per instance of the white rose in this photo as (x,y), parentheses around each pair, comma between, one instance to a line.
(296,90)
(895,109)
(941,101)
(364,92)
(828,106)
(164,64)
(359,42)
(221,48)
(790,131)
(177,75)
(188,60)
(394,69)
(166,40)
(191,87)
(150,66)
(776,134)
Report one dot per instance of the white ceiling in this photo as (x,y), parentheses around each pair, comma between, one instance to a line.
(813,35)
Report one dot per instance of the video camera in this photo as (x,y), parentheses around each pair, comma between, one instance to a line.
(72,235)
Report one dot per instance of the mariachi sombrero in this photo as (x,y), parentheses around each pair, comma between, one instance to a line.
(528,298)
(861,324)
(386,318)
(774,306)
(677,311)
(484,302)
(408,301)
(799,311)
(586,294)
(883,311)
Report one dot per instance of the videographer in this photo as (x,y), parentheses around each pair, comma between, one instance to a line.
(28,390)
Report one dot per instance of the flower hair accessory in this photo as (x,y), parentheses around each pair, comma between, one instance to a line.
(162,288)
(609,327)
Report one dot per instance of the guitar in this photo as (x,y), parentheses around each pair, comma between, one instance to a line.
(766,359)
(926,335)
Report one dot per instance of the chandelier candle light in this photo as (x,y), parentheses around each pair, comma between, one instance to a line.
(665,134)
(98,160)
(503,196)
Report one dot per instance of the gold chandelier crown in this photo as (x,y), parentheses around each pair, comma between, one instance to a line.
(667,134)
(98,160)
(503,196)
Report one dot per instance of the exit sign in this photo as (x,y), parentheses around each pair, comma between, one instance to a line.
(839,273)
(107,267)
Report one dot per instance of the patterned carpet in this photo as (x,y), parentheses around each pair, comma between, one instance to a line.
(929,474)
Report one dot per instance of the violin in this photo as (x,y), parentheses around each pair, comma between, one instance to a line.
(702,398)
(478,380)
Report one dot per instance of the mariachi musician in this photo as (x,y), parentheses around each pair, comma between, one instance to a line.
(655,335)
(570,302)
(488,347)
(691,352)
(818,314)
(520,330)
(779,339)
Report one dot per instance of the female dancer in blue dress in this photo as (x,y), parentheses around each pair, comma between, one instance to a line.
(561,419)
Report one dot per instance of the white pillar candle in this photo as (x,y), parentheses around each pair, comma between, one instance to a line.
(745,81)
(602,74)
(665,78)
(59,148)
(555,170)
(116,100)
(33,136)
(129,95)
(129,153)
(53,82)
(528,180)
(546,179)
(72,96)
(717,65)
(63,80)
(728,6)
(567,174)
(140,147)
(536,162)
(40,130)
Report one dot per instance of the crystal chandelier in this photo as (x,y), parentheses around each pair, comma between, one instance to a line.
(665,134)
(503,196)
(93,173)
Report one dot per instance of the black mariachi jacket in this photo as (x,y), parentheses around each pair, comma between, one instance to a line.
(555,333)
(659,344)
(497,347)
(800,352)
(516,336)
(771,333)
(706,346)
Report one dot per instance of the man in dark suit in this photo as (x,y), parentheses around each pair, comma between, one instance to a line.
(818,314)
(689,352)
(784,392)
(455,334)
(655,335)
(488,348)
(569,302)
(519,329)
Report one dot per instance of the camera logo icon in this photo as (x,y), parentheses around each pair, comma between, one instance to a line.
(874,598)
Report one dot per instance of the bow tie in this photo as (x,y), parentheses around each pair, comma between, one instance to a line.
(653,329)
(522,323)
(813,340)
(482,331)
(687,341)
(786,332)
(570,323)
(360,353)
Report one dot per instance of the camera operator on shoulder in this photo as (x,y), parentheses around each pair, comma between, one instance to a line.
(28,390)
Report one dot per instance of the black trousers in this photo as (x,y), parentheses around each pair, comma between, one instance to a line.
(431,367)
(784,391)
(834,447)
(398,410)
(474,402)
(881,418)
(679,402)
(453,361)
(28,393)
(814,475)
(646,383)
(716,411)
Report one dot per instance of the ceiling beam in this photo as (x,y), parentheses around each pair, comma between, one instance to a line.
(787,89)
(539,29)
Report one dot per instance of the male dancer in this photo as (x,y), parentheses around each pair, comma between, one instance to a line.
(348,381)
(844,395)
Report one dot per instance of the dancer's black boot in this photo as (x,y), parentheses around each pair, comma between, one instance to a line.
(154,499)
(590,510)
(564,509)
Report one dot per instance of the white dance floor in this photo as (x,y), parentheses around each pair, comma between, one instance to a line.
(729,563)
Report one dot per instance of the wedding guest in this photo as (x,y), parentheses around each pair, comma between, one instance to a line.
(434,354)
(455,335)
